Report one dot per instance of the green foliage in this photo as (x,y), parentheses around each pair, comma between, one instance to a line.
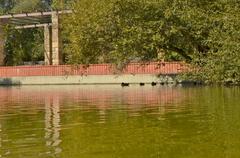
(204,33)
(122,31)
(221,63)
(62,4)
(30,49)
(18,6)
(23,45)
(26,6)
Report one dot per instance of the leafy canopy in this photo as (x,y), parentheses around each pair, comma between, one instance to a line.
(204,33)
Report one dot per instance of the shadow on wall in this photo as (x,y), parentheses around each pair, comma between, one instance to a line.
(9,82)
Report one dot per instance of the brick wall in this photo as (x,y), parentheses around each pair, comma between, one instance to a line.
(95,69)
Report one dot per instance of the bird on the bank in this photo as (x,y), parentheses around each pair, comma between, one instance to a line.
(142,84)
(125,84)
(154,83)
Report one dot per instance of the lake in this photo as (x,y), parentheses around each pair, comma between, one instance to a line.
(109,121)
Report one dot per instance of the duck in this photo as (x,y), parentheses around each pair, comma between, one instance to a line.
(154,83)
(125,84)
(142,84)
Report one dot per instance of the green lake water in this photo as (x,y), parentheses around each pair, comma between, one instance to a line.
(115,122)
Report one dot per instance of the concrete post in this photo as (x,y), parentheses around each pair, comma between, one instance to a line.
(56,51)
(47,45)
(2,42)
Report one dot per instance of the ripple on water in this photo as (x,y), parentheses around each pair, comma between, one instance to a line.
(110,121)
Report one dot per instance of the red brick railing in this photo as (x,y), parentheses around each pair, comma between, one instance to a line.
(95,69)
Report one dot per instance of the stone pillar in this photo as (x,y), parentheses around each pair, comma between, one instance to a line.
(2,42)
(47,45)
(56,47)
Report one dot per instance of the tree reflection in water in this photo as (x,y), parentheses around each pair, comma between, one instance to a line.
(52,121)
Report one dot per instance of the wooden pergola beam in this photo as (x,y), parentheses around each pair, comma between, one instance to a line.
(21,22)
(32,26)
(30,20)
(9,16)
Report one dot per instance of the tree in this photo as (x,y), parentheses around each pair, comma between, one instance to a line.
(204,33)
(62,4)
(130,30)
(222,62)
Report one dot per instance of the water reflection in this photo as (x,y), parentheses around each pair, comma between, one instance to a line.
(34,112)
(99,95)
(102,97)
(0,138)
(52,123)
(111,121)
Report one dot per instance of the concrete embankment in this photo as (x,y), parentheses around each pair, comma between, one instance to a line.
(90,79)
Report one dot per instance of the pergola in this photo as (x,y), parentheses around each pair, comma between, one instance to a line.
(47,20)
